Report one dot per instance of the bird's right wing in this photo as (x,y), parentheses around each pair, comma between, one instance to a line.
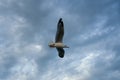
(61,52)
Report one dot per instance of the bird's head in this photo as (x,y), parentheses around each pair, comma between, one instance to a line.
(51,45)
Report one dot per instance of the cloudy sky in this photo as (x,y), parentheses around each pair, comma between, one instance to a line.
(92,30)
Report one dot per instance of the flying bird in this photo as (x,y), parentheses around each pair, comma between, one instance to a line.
(58,44)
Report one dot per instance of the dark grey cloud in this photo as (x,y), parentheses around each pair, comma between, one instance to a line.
(91,31)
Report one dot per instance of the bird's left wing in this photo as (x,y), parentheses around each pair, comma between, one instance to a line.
(60,31)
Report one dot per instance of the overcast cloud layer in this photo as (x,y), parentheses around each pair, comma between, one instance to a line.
(92,30)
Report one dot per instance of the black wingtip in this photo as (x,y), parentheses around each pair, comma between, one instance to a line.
(61,55)
(60,19)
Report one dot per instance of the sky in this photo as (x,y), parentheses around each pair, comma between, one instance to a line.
(92,31)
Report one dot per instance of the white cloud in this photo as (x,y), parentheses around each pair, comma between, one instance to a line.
(33,48)
(24,70)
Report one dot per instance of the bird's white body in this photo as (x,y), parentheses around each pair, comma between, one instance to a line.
(58,45)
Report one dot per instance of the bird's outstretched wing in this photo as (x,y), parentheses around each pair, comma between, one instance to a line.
(61,52)
(60,31)
(59,37)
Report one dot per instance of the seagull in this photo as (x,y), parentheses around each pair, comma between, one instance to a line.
(58,44)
